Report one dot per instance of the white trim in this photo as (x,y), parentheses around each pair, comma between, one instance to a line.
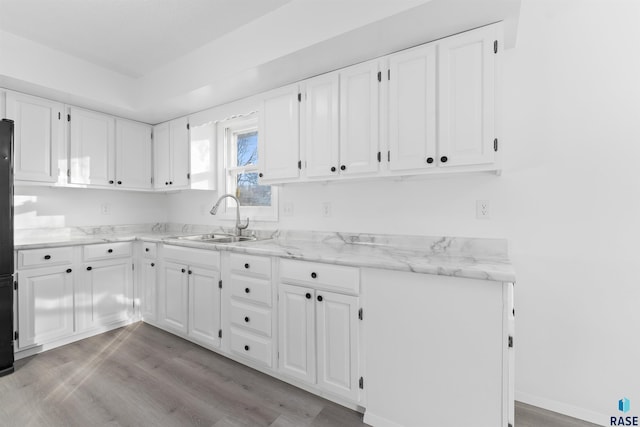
(562,408)
(378,421)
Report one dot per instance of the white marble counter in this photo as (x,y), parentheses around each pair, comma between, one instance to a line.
(485,259)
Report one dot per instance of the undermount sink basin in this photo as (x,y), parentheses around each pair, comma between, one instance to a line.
(218,238)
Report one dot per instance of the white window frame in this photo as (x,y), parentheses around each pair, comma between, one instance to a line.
(227,130)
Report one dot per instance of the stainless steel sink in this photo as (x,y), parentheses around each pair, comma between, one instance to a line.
(217,238)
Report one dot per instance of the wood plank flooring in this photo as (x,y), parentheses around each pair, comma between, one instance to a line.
(143,376)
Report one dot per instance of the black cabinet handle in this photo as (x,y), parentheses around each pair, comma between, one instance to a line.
(89,269)
(146,249)
(429,160)
(119,182)
(153,264)
(190,271)
(170,182)
(166,183)
(308,295)
(320,298)
(110,181)
(247,290)
(246,348)
(343,167)
(443,159)
(47,257)
(110,251)
(183,270)
(69,270)
(246,319)
(260,175)
(314,275)
(333,168)
(246,265)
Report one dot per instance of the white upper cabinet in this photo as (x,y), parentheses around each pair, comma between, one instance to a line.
(412,109)
(171,154)
(359,118)
(466,98)
(133,155)
(203,152)
(278,135)
(320,129)
(38,132)
(92,148)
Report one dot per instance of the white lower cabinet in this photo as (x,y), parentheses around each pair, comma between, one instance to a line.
(204,305)
(297,332)
(45,305)
(174,297)
(148,288)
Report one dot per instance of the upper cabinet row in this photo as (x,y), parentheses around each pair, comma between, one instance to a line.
(422,110)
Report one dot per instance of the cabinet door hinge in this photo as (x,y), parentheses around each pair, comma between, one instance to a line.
(69,173)
(16,335)
(495,46)
(360,314)
(379,76)
(151,180)
(188,126)
(510,425)
(189,176)
(495,144)
(58,115)
(379,156)
(219,333)
(15,285)
(389,74)
(510,341)
(300,164)
(361,383)
(299,97)
(220,284)
(133,266)
(68,117)
(389,156)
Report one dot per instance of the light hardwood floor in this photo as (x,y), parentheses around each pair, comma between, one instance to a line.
(143,376)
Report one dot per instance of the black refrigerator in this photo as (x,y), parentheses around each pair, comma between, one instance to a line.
(6,247)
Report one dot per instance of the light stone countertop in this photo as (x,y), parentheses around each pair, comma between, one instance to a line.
(484,259)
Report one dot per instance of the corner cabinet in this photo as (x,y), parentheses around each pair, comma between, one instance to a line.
(278,135)
(171,155)
(38,134)
(133,155)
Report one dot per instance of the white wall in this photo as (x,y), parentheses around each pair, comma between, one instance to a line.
(568,202)
(45,207)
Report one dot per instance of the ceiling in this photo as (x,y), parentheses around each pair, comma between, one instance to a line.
(153,60)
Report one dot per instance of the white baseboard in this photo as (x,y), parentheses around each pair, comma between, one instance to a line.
(377,421)
(563,408)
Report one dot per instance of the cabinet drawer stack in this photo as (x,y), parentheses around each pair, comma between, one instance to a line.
(250,308)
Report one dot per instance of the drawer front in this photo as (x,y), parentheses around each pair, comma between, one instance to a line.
(250,289)
(149,250)
(255,319)
(45,257)
(190,256)
(251,265)
(251,346)
(106,251)
(321,276)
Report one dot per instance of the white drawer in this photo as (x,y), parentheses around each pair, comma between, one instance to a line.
(321,276)
(45,257)
(251,265)
(251,289)
(190,256)
(251,346)
(253,318)
(106,251)
(149,250)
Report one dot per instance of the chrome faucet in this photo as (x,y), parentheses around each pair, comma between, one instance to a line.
(239,226)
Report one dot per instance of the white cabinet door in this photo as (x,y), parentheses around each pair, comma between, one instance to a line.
(92,148)
(359,119)
(203,152)
(174,292)
(320,126)
(107,295)
(297,336)
(38,130)
(278,135)
(161,159)
(466,73)
(45,305)
(337,328)
(412,109)
(148,294)
(133,154)
(204,305)
(179,152)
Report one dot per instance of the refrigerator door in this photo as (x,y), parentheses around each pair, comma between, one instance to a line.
(6,197)
(6,325)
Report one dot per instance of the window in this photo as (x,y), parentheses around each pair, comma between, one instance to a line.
(241,169)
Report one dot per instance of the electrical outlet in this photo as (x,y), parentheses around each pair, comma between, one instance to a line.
(482,209)
(287,209)
(326,209)
(105,209)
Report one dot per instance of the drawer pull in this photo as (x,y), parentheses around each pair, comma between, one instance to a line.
(246,265)
(308,295)
(69,270)
(246,348)
(246,319)
(110,251)
(89,269)
(247,290)
(153,264)
(146,249)
(319,298)
(47,257)
(190,272)
(314,275)
(183,270)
